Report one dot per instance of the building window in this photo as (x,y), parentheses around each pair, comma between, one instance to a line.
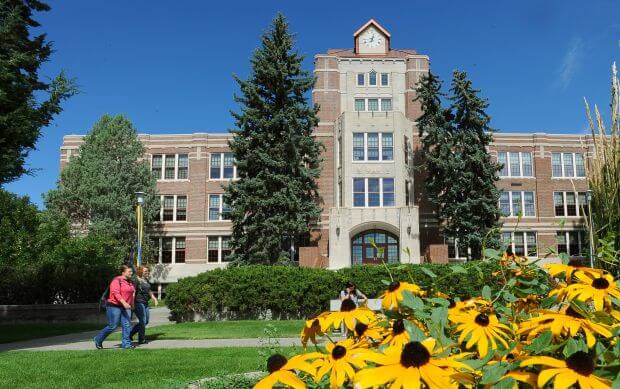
(172,166)
(372,78)
(567,165)
(166,255)
(173,208)
(168,208)
(181,213)
(170,249)
(374,247)
(373,104)
(522,243)
(516,203)
(373,146)
(386,105)
(179,250)
(570,204)
(515,164)
(218,249)
(571,242)
(223,166)
(360,104)
(360,79)
(385,79)
(373,192)
(218,210)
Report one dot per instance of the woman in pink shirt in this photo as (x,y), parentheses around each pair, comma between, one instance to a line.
(118,308)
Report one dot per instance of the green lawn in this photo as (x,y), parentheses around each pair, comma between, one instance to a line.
(16,332)
(125,368)
(223,329)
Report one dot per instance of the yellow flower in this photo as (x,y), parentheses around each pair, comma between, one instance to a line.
(556,269)
(369,333)
(312,328)
(412,366)
(565,323)
(577,369)
(482,330)
(394,295)
(598,290)
(398,336)
(457,307)
(343,358)
(283,372)
(522,376)
(349,314)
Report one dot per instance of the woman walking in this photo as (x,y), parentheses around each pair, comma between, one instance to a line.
(143,295)
(118,308)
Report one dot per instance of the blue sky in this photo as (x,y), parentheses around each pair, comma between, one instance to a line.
(168,65)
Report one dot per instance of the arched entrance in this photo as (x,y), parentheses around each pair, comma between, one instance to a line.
(363,251)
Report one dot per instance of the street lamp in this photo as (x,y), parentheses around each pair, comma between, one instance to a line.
(140,225)
(589,200)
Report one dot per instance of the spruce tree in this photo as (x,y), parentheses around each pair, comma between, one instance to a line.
(275,199)
(27,103)
(471,208)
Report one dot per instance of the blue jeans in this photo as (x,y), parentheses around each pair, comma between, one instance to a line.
(115,316)
(142,313)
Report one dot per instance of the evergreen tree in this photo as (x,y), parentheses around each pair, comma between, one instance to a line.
(278,161)
(97,188)
(471,209)
(21,115)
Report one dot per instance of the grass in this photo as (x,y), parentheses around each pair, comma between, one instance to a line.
(125,368)
(17,332)
(223,329)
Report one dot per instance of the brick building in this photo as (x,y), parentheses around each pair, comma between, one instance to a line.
(369,189)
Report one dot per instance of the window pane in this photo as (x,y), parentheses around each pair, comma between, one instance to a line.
(531,244)
(571,205)
(504,203)
(527,164)
(226,251)
(181,207)
(225,210)
(360,79)
(169,172)
(374,196)
(558,203)
(583,203)
(392,253)
(216,160)
(373,104)
(179,255)
(387,147)
(356,254)
(358,192)
(214,207)
(358,146)
(519,244)
(373,146)
(528,199)
(516,204)
(580,166)
(385,79)
(501,158)
(556,165)
(515,167)
(372,78)
(386,104)
(561,240)
(166,254)
(573,243)
(168,208)
(183,167)
(228,165)
(388,192)
(568,165)
(212,249)
(156,167)
(360,104)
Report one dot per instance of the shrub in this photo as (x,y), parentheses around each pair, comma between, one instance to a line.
(286,292)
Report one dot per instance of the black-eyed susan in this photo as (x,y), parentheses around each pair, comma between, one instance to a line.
(522,376)
(398,336)
(457,307)
(411,367)
(341,361)
(565,323)
(312,328)
(599,290)
(392,297)
(369,333)
(577,369)
(481,329)
(350,314)
(558,269)
(282,371)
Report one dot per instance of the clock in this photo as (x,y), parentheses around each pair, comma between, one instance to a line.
(371,38)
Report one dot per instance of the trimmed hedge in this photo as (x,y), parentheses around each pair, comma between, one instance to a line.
(286,292)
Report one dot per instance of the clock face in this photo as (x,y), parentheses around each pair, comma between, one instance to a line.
(372,38)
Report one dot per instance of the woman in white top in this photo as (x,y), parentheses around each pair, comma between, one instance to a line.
(352,293)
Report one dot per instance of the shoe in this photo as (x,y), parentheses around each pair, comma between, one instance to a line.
(129,348)
(98,345)
(143,342)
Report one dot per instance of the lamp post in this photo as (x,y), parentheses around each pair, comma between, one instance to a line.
(591,228)
(140,225)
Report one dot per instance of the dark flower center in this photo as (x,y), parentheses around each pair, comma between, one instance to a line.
(580,362)
(347,305)
(482,319)
(452,303)
(339,352)
(316,323)
(572,313)
(600,283)
(393,286)
(414,355)
(398,327)
(275,362)
(360,328)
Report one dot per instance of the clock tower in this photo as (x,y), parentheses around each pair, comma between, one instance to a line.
(371,39)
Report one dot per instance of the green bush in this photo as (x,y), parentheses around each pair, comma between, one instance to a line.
(286,292)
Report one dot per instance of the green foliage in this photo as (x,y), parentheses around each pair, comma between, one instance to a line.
(21,115)
(296,292)
(278,160)
(97,187)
